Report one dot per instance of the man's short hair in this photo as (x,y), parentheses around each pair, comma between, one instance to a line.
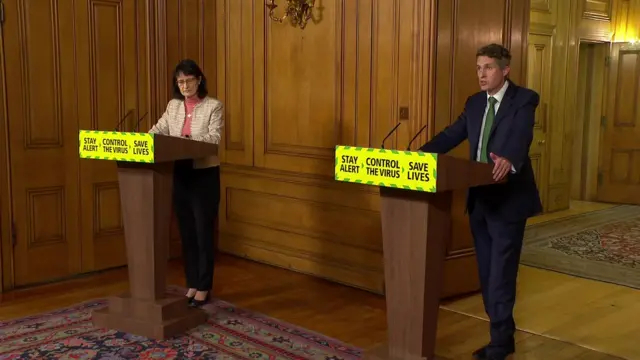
(497,52)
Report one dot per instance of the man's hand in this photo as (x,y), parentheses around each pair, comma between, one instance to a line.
(501,167)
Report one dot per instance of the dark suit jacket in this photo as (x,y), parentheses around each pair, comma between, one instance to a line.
(510,137)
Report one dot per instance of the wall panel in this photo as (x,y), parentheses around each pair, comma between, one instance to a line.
(42,124)
(107,51)
(282,118)
(86,74)
(342,80)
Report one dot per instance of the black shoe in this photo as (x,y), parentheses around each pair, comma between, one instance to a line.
(499,354)
(480,354)
(497,357)
(199,303)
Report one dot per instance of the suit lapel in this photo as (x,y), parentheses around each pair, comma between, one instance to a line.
(506,103)
(476,122)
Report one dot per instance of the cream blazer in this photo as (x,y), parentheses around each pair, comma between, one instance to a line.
(206,125)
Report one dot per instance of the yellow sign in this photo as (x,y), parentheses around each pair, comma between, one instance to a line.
(118,146)
(411,170)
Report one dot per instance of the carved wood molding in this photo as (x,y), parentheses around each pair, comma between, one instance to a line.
(542,6)
(597,10)
(157,56)
(6,276)
(542,29)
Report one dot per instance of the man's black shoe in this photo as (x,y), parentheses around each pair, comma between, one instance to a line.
(480,354)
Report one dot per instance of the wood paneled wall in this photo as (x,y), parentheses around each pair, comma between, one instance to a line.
(6,234)
(557,28)
(179,29)
(278,194)
(61,216)
(290,96)
(552,50)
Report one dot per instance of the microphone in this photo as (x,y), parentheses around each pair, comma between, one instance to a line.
(415,137)
(389,134)
(122,121)
(139,121)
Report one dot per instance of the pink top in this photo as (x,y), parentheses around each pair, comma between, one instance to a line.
(189,105)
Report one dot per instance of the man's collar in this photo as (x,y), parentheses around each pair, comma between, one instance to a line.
(500,94)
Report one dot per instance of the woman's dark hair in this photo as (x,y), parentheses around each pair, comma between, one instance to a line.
(189,67)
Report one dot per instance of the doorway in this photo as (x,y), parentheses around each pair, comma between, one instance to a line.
(590,118)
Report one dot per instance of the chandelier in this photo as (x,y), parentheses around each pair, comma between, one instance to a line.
(298,11)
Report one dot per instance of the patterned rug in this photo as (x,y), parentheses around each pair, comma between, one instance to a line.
(601,245)
(230,333)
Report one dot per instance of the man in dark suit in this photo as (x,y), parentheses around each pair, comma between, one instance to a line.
(498,122)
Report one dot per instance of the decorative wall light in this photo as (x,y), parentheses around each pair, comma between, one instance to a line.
(299,11)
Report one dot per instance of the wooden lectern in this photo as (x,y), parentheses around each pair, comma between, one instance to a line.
(416,229)
(145,172)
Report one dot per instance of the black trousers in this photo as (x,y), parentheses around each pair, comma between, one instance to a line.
(196,198)
(498,246)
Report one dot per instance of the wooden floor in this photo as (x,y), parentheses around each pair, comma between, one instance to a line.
(550,306)
(351,315)
(596,315)
(576,207)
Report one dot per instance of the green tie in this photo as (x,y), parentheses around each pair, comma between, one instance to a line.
(488,123)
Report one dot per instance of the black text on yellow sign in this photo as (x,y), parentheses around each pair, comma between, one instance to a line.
(120,146)
(410,170)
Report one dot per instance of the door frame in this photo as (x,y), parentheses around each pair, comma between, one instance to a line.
(587,39)
(6,207)
(541,29)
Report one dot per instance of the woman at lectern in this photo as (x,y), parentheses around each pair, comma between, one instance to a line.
(196,183)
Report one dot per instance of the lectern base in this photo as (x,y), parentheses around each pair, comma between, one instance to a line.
(159,320)
(381,352)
